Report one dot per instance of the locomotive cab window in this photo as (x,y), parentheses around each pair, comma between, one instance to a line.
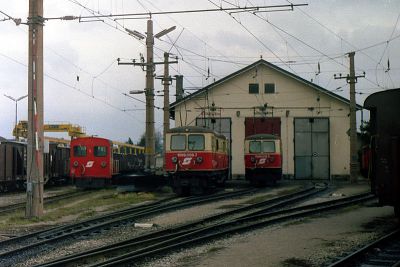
(80,151)
(178,142)
(255,147)
(196,142)
(100,151)
(268,146)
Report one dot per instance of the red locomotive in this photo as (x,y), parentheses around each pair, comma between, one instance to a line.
(196,159)
(94,161)
(263,159)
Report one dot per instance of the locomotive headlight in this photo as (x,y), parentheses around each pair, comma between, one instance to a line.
(253,159)
(174,159)
(199,159)
(271,159)
(103,164)
(76,164)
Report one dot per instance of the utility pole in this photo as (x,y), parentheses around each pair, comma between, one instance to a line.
(352,80)
(166,80)
(149,90)
(34,188)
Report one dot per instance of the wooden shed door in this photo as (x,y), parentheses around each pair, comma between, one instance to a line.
(311,148)
(262,126)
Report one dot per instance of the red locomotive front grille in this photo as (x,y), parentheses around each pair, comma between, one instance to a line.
(195,161)
(270,160)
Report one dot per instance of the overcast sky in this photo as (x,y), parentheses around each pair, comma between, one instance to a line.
(218,43)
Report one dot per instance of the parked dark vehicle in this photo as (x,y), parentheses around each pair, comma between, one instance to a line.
(56,164)
(13,165)
(385,146)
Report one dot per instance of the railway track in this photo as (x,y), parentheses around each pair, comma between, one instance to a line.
(174,234)
(382,252)
(187,235)
(47,200)
(28,242)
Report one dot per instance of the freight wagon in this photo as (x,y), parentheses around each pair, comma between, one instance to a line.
(384,159)
(13,165)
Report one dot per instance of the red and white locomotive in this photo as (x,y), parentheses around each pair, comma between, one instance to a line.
(263,159)
(94,161)
(196,159)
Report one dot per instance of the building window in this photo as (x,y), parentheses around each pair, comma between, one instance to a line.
(253,88)
(269,88)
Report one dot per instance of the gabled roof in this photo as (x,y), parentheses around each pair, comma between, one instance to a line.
(270,65)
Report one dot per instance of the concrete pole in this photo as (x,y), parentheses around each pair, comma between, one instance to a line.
(353,122)
(34,190)
(166,82)
(150,135)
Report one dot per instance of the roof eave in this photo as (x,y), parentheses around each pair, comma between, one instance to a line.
(261,61)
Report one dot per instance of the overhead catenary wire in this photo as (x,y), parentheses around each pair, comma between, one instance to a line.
(72,87)
(208,57)
(308,45)
(193,64)
(384,50)
(263,8)
(94,12)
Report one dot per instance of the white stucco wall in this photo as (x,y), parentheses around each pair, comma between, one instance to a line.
(292,99)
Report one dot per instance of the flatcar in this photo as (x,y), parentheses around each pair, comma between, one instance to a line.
(196,159)
(385,146)
(94,161)
(263,159)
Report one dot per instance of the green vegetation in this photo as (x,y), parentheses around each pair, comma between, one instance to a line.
(78,208)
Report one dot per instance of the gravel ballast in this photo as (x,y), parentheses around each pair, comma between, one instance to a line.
(314,241)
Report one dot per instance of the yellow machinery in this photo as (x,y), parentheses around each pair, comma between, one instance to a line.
(123,148)
(21,129)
